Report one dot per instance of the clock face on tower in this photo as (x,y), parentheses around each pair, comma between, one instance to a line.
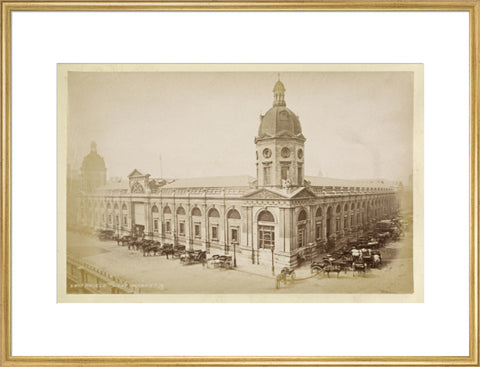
(267,153)
(300,154)
(285,152)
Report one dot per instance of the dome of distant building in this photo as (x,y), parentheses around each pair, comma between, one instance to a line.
(94,171)
(279,120)
(93,161)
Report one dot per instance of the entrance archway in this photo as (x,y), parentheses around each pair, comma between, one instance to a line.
(302,229)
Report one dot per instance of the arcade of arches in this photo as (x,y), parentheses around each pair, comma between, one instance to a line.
(255,230)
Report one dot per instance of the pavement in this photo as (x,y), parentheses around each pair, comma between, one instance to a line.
(156,274)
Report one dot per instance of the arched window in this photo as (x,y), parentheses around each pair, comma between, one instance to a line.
(167,224)
(196,212)
(266,233)
(213,213)
(301,229)
(233,214)
(352,206)
(338,209)
(266,216)
(345,208)
(109,206)
(318,224)
(197,231)
(214,224)
(180,210)
(154,209)
(181,222)
(233,226)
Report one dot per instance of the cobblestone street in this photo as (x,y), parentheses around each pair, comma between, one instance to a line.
(156,274)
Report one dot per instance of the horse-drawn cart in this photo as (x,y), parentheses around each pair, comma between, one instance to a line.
(220,261)
(330,265)
(106,235)
(193,257)
(152,248)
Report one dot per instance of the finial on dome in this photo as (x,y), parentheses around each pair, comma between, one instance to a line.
(93,147)
(279,93)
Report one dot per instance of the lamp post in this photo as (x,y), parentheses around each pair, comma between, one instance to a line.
(273,260)
(234,243)
(118,235)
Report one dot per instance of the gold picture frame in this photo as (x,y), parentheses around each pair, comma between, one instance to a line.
(473,9)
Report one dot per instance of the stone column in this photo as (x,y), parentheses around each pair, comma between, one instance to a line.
(174,220)
(205,236)
(250,231)
(324,222)
(289,230)
(161,218)
(130,214)
(148,218)
(281,230)
(189,224)
(311,225)
(244,231)
(342,214)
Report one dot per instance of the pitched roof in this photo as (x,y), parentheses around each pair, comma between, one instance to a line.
(326,181)
(276,193)
(114,185)
(219,181)
(136,172)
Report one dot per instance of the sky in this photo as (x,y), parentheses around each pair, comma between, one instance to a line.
(358,125)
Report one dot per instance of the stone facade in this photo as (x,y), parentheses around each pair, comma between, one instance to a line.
(280,213)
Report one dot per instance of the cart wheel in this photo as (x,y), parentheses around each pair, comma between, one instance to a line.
(293,275)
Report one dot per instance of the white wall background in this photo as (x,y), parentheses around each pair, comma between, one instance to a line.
(439,326)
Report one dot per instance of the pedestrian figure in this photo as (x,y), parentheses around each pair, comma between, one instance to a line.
(376,260)
(355,253)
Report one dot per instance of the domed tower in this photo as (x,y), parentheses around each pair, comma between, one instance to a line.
(94,172)
(280,145)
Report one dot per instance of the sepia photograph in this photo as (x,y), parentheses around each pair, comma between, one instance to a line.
(262,183)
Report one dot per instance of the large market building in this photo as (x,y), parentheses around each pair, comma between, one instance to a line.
(280,213)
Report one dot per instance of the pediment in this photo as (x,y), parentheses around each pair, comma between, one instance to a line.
(265,194)
(136,173)
(304,194)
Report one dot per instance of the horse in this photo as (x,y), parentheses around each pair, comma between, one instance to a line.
(359,267)
(151,248)
(333,268)
(287,272)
